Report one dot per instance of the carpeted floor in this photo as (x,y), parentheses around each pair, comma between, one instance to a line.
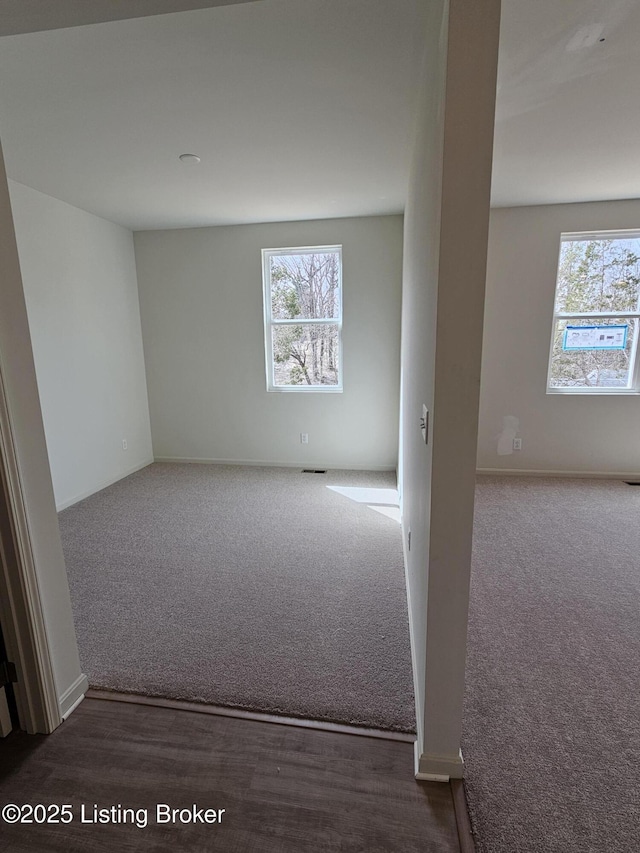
(552,718)
(255,588)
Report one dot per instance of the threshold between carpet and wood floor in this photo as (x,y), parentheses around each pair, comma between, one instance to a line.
(262,589)
(242,714)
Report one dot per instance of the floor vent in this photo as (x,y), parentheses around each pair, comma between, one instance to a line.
(314,470)
(632,482)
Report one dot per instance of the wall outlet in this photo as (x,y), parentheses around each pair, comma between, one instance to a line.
(304,438)
(517,444)
(125,446)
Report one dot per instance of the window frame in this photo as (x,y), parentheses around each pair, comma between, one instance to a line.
(270,322)
(634,379)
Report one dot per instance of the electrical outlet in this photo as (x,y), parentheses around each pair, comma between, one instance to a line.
(304,438)
(517,444)
(124,444)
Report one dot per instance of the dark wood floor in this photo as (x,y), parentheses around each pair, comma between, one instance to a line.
(283,788)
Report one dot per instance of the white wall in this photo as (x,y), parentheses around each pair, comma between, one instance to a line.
(561,433)
(419,310)
(202,321)
(32,507)
(446,225)
(82,301)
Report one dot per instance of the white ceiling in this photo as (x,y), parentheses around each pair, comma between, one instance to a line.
(298,109)
(568,112)
(303,108)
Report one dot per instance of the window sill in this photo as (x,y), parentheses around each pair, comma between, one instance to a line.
(597,392)
(299,389)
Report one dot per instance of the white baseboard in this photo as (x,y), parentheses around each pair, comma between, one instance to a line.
(102,485)
(438,768)
(73,696)
(272,463)
(412,643)
(583,475)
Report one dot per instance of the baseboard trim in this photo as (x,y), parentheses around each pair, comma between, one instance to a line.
(439,768)
(260,463)
(582,475)
(463,823)
(412,644)
(241,714)
(105,484)
(73,696)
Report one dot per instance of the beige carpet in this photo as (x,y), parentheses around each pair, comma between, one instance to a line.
(257,588)
(552,718)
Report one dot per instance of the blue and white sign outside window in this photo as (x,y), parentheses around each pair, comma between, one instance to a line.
(595,337)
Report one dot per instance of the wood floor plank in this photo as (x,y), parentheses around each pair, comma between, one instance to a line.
(284,789)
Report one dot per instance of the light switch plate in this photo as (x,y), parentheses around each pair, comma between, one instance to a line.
(424,424)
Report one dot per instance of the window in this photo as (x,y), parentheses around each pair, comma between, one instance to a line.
(594,344)
(303,318)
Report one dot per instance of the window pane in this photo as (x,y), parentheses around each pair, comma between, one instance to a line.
(305,286)
(305,355)
(591,368)
(598,275)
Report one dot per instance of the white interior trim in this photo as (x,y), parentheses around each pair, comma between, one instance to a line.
(419,744)
(438,768)
(588,475)
(270,321)
(23,620)
(73,696)
(272,463)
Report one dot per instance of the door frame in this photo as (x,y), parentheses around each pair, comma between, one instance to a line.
(21,613)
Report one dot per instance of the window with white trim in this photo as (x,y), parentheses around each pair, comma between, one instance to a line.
(594,343)
(303,318)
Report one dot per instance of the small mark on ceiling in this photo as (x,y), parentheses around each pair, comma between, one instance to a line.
(585,37)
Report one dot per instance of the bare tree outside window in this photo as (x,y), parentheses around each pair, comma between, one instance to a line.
(303,317)
(597,295)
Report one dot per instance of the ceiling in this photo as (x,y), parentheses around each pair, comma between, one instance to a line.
(298,109)
(568,109)
(301,109)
